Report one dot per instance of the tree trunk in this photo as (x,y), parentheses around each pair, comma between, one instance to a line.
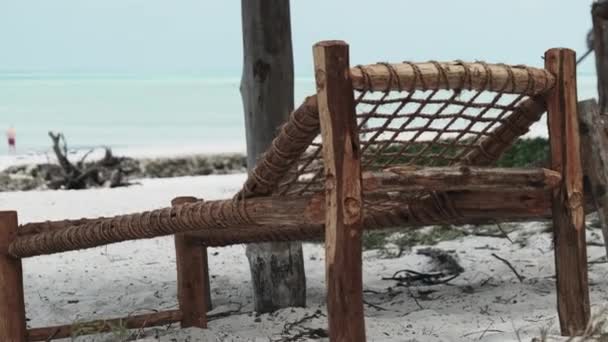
(594,152)
(277,269)
(599,14)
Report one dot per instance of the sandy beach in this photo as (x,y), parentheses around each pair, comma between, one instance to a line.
(485,303)
(135,103)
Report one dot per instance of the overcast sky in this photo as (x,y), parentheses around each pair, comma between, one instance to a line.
(204,36)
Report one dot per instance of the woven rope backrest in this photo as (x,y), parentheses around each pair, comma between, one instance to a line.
(431,114)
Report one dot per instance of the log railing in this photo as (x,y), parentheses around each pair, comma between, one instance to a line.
(264,215)
(513,79)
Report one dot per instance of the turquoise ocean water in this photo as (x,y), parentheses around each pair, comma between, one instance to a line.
(144,112)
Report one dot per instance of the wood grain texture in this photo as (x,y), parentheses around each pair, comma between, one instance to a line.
(12,306)
(104,325)
(192,276)
(343,216)
(504,78)
(568,200)
(280,219)
(454,178)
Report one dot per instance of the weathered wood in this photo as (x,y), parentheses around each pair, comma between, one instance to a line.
(32,228)
(104,325)
(405,178)
(343,217)
(594,152)
(12,306)
(491,179)
(567,202)
(380,77)
(599,10)
(288,218)
(192,276)
(296,214)
(277,270)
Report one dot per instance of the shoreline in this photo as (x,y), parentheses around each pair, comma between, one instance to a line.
(42,171)
(35,173)
(137,152)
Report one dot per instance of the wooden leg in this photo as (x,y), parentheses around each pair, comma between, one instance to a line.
(567,199)
(192,276)
(12,304)
(343,220)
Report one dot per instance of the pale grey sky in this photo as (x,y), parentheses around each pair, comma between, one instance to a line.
(205,36)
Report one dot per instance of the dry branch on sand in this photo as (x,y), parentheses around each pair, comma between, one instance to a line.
(110,171)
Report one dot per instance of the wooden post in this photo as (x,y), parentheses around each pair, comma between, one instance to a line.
(567,199)
(594,152)
(192,276)
(277,268)
(12,303)
(343,216)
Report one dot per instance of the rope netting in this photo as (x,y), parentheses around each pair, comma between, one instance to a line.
(421,126)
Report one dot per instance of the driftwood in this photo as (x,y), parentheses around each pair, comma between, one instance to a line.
(109,171)
(506,262)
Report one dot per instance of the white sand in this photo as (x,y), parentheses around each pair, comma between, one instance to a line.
(485,303)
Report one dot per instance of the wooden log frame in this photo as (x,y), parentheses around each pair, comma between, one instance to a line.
(409,179)
(104,325)
(513,79)
(343,199)
(399,179)
(12,306)
(192,276)
(474,206)
(296,214)
(567,199)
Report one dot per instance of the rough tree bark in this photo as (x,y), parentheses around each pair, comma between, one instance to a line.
(593,128)
(599,15)
(277,269)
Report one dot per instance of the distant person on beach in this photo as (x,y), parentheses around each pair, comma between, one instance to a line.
(11,135)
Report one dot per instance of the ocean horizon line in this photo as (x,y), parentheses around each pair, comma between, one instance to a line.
(230,76)
(135,76)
